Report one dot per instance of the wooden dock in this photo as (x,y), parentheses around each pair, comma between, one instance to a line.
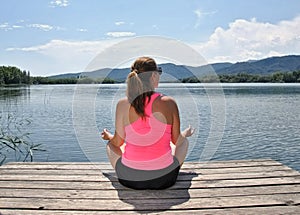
(223,187)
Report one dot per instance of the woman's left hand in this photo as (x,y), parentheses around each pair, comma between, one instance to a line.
(106,135)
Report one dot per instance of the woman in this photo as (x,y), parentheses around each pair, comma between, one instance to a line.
(147,148)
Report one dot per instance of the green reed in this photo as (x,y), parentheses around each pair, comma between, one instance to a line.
(15,142)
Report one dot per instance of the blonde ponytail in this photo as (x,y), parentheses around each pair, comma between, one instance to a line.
(134,86)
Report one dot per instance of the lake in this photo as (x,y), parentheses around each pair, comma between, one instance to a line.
(232,121)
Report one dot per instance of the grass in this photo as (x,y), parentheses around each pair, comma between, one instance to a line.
(15,142)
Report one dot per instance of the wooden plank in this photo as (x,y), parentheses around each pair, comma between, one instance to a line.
(183,176)
(231,164)
(227,170)
(187,162)
(203,165)
(58,166)
(274,210)
(82,185)
(151,204)
(100,177)
(148,194)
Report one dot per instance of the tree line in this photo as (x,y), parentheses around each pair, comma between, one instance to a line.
(82,80)
(277,77)
(13,75)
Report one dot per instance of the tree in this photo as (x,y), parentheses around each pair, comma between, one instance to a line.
(28,77)
(2,82)
(277,77)
(13,75)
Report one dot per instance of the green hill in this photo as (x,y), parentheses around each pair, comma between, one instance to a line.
(174,72)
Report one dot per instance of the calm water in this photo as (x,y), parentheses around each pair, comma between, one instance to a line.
(237,121)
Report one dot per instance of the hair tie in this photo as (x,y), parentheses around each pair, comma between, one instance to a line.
(133,73)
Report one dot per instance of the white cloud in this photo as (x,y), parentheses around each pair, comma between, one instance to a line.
(72,46)
(119,23)
(200,14)
(67,56)
(155,27)
(117,34)
(21,24)
(43,27)
(59,3)
(17,26)
(5,26)
(81,29)
(250,39)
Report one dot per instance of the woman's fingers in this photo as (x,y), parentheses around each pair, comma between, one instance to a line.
(190,131)
(104,134)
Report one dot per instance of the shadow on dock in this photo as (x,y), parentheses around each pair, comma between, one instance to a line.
(155,200)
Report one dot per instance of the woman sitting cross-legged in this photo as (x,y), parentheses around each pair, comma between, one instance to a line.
(147,148)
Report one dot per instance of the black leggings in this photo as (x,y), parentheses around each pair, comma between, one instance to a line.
(148,179)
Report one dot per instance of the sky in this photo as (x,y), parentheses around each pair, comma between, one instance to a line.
(48,37)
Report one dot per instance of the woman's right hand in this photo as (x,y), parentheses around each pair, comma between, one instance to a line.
(189,131)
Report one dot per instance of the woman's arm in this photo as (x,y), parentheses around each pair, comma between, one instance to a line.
(177,136)
(118,138)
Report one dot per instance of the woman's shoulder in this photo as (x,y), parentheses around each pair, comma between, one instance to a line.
(167,106)
(167,101)
(123,100)
(123,103)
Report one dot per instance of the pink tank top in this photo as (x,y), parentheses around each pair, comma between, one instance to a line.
(148,142)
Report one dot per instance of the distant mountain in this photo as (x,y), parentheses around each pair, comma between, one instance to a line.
(174,72)
(208,69)
(264,66)
(66,75)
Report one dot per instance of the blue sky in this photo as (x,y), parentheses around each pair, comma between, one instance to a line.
(60,36)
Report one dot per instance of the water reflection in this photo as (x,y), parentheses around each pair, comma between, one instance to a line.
(15,93)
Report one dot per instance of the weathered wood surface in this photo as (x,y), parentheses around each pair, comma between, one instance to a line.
(219,187)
